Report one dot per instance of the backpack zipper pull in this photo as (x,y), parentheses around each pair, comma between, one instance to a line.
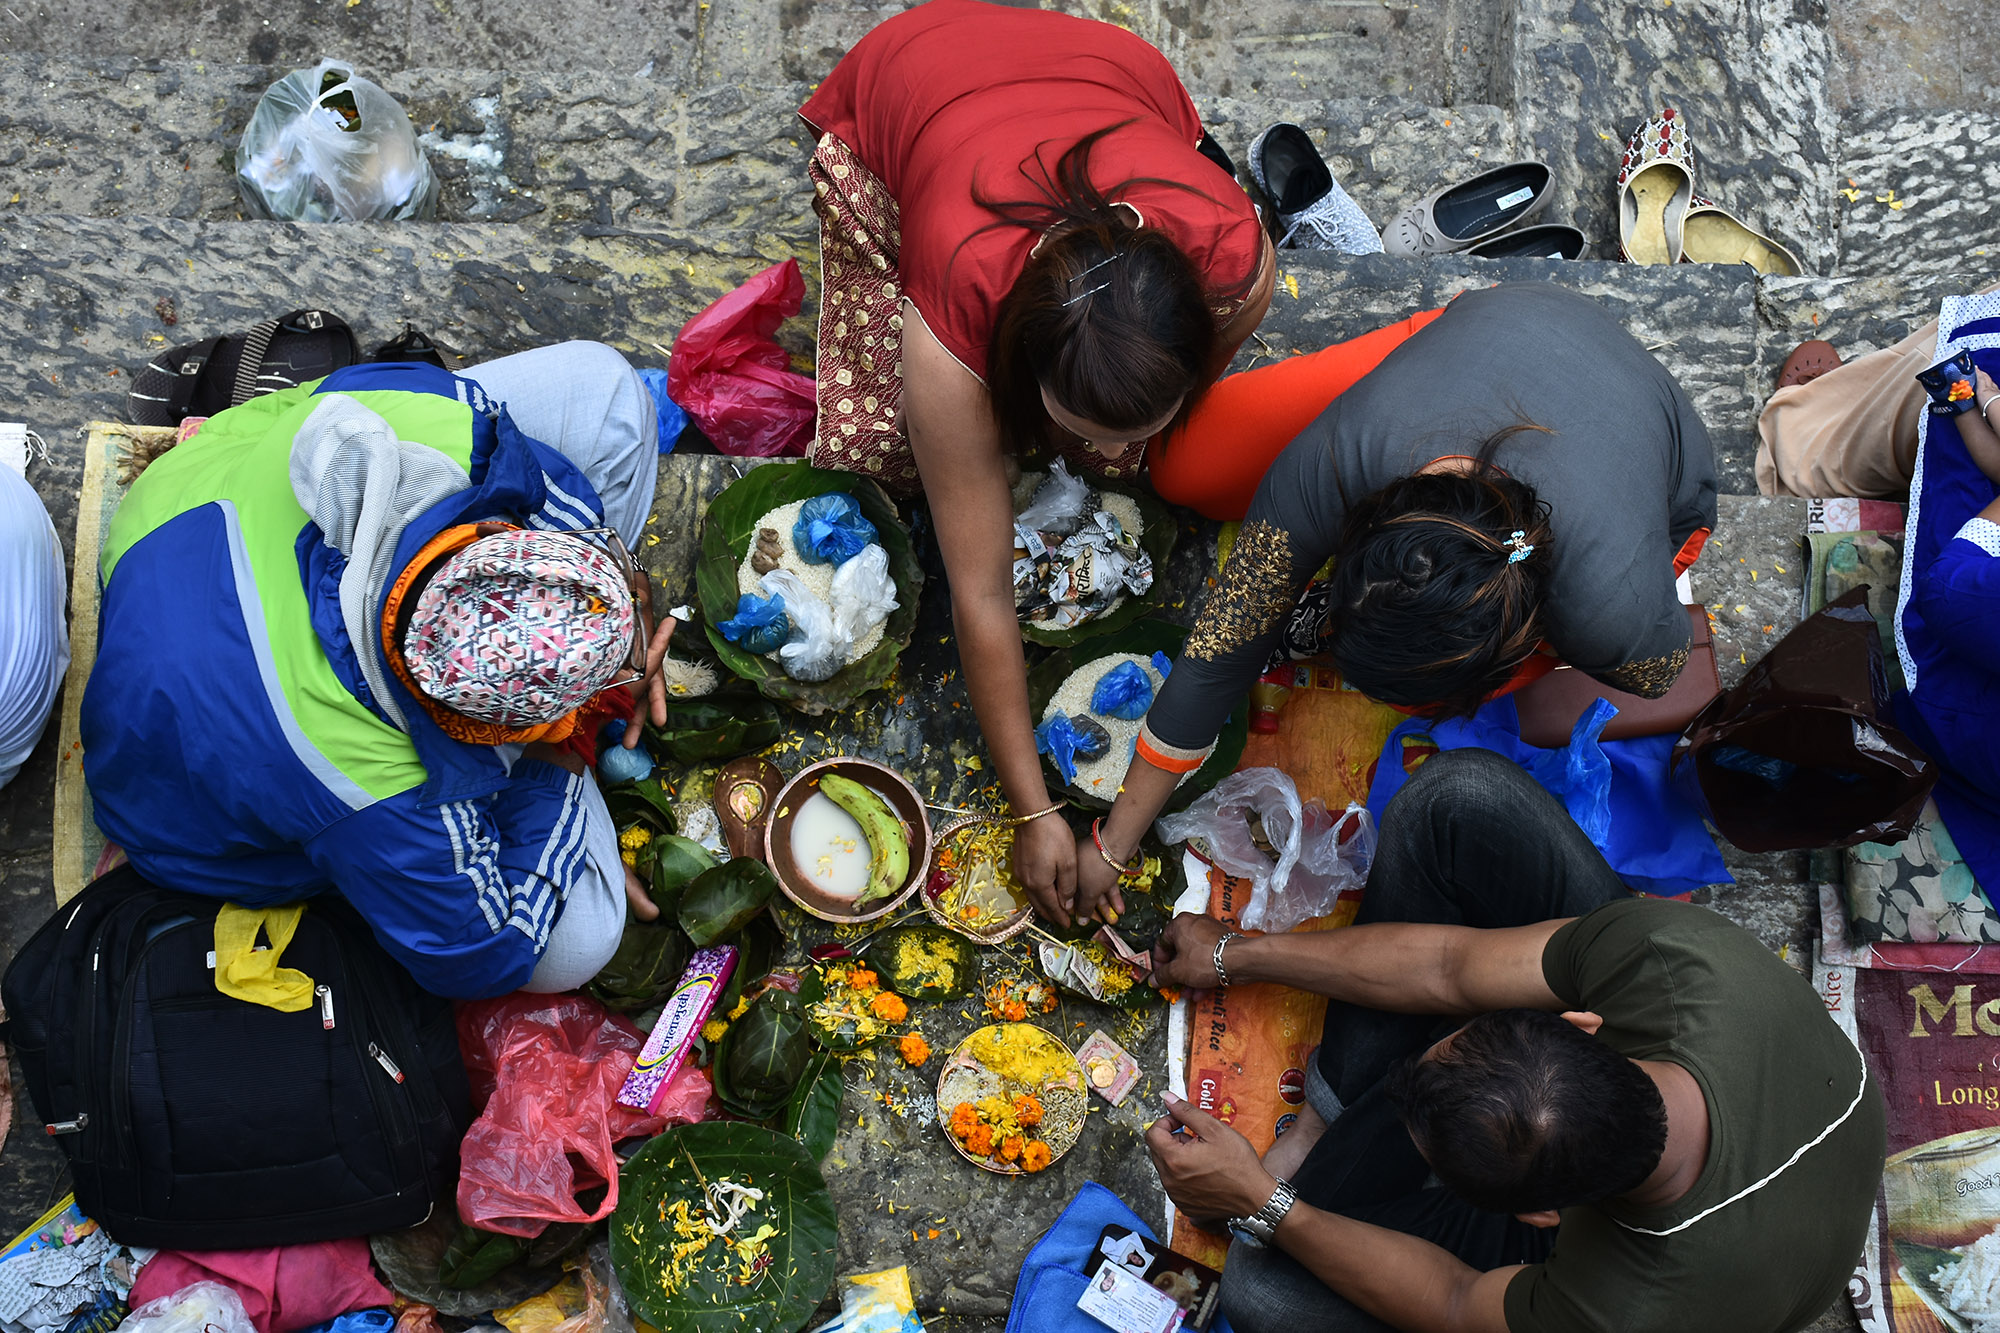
(382,1059)
(325,994)
(76,1126)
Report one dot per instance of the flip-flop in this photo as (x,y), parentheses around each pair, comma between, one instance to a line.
(1808,361)
(1714,235)
(1470,211)
(1655,190)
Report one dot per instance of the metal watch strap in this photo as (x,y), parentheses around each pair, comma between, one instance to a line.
(1261,1227)
(1222,977)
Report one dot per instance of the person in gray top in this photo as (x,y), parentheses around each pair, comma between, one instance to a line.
(1520,479)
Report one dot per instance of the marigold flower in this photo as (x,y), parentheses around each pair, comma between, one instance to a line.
(862,978)
(1035,1156)
(713,1029)
(1014,1011)
(1028,1109)
(889,1007)
(964,1118)
(914,1049)
(1960,391)
(980,1141)
(1010,1148)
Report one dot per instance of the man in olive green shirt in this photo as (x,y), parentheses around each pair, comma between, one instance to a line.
(1649,1121)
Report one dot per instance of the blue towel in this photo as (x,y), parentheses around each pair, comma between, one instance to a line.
(1053,1275)
(1616,791)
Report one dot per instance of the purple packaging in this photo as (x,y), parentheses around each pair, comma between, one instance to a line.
(673,1036)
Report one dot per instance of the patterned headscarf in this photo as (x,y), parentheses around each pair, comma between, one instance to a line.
(520,628)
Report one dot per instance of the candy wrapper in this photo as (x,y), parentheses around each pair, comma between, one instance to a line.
(1950,385)
(1108,1067)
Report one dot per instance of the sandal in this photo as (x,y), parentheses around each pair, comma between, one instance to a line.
(1549,240)
(1655,190)
(1469,212)
(1808,361)
(1714,235)
(744,790)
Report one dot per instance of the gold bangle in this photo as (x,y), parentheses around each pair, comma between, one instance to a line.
(1015,821)
(1097,841)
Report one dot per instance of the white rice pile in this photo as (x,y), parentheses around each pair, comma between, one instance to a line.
(1972,1285)
(817,578)
(1101,777)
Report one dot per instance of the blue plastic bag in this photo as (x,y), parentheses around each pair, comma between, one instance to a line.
(760,624)
(617,764)
(379,1320)
(1163,664)
(1059,739)
(1617,792)
(672,420)
(1125,691)
(831,529)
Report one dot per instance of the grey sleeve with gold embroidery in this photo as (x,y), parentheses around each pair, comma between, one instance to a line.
(1288,534)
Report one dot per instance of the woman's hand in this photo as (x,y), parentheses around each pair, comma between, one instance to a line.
(651,688)
(1977,429)
(1097,895)
(1045,863)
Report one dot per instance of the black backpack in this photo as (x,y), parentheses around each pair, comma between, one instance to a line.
(194,1120)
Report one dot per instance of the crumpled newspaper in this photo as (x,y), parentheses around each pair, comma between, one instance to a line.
(44,1288)
(1061,582)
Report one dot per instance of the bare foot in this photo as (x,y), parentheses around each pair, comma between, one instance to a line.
(1289,1152)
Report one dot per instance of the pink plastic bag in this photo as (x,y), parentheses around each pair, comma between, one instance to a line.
(735,380)
(551,1067)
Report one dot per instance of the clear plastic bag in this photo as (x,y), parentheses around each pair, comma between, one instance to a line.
(203,1307)
(817,649)
(1057,505)
(324,145)
(863,594)
(1319,856)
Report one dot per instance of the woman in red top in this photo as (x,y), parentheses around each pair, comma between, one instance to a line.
(1023,248)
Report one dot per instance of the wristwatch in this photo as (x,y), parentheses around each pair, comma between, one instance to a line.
(1261,1227)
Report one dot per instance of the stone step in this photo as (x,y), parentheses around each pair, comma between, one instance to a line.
(1914,192)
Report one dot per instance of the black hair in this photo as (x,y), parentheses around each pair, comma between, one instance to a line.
(1428,608)
(1523,1112)
(1111,318)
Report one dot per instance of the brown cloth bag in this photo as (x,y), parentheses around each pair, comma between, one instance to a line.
(1804,752)
(1549,707)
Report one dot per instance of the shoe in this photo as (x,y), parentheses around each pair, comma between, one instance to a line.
(1808,361)
(1548,240)
(1312,210)
(1714,235)
(1469,212)
(1655,190)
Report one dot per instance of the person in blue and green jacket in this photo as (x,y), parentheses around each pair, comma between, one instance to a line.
(344,628)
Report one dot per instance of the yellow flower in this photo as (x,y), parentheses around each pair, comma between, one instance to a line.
(713,1029)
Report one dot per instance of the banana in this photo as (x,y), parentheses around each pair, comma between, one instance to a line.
(888,843)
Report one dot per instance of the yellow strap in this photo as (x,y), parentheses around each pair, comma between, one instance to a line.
(247,973)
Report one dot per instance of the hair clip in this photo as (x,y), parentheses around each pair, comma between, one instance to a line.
(1076,296)
(1522,547)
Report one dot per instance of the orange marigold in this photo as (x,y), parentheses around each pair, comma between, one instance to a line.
(862,978)
(1035,1156)
(1010,1148)
(889,1007)
(914,1049)
(1013,1011)
(980,1141)
(1049,1002)
(1028,1109)
(964,1118)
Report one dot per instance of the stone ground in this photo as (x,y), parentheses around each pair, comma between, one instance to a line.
(610,167)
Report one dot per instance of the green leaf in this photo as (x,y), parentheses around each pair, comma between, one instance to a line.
(645,802)
(1160,533)
(1144,637)
(726,533)
(762,1058)
(675,861)
(813,1116)
(735,720)
(717,903)
(758,946)
(843,1035)
(926,962)
(670,1168)
(643,970)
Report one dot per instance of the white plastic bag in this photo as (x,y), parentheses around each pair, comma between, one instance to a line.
(1057,505)
(863,594)
(817,649)
(326,146)
(1319,856)
(202,1307)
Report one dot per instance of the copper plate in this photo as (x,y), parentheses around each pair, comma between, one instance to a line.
(894,788)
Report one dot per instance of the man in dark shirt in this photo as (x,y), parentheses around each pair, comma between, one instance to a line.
(1649,1121)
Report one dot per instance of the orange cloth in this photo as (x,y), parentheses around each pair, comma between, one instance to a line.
(1213,461)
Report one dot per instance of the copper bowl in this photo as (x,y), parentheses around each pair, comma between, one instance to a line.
(894,788)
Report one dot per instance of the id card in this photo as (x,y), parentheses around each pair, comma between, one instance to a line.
(1195,1288)
(1121,1300)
